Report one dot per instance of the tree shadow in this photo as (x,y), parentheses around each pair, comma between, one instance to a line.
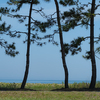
(76,89)
(16,89)
(57,90)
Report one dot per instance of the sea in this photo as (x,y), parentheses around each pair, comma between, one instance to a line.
(43,81)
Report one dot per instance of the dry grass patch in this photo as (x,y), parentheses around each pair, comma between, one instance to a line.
(48,95)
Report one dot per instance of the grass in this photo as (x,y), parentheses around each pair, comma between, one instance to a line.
(48,95)
(30,86)
(76,91)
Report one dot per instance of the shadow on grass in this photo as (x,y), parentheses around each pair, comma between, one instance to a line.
(75,89)
(57,90)
(17,89)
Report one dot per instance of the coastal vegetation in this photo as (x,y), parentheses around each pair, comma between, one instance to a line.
(37,91)
(48,87)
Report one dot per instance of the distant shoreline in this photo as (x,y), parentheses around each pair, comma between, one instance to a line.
(43,81)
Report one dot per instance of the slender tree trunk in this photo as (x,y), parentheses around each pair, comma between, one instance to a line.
(93,78)
(28,49)
(62,46)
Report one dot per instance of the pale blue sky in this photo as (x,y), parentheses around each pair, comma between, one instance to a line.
(45,62)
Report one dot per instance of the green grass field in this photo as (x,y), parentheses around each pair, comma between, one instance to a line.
(80,91)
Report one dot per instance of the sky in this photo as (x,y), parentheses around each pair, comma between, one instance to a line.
(45,61)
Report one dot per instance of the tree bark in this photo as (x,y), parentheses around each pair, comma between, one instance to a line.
(62,46)
(93,62)
(28,49)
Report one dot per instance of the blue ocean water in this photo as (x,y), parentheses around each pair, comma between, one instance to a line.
(42,81)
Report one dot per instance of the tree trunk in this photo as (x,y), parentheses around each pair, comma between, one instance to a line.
(93,78)
(62,46)
(28,49)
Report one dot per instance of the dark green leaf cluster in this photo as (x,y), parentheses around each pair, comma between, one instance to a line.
(67,2)
(3,28)
(41,44)
(13,34)
(97,50)
(74,47)
(9,48)
(19,3)
(87,55)
(6,30)
(4,10)
(69,24)
(75,17)
(20,17)
(43,25)
(35,39)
